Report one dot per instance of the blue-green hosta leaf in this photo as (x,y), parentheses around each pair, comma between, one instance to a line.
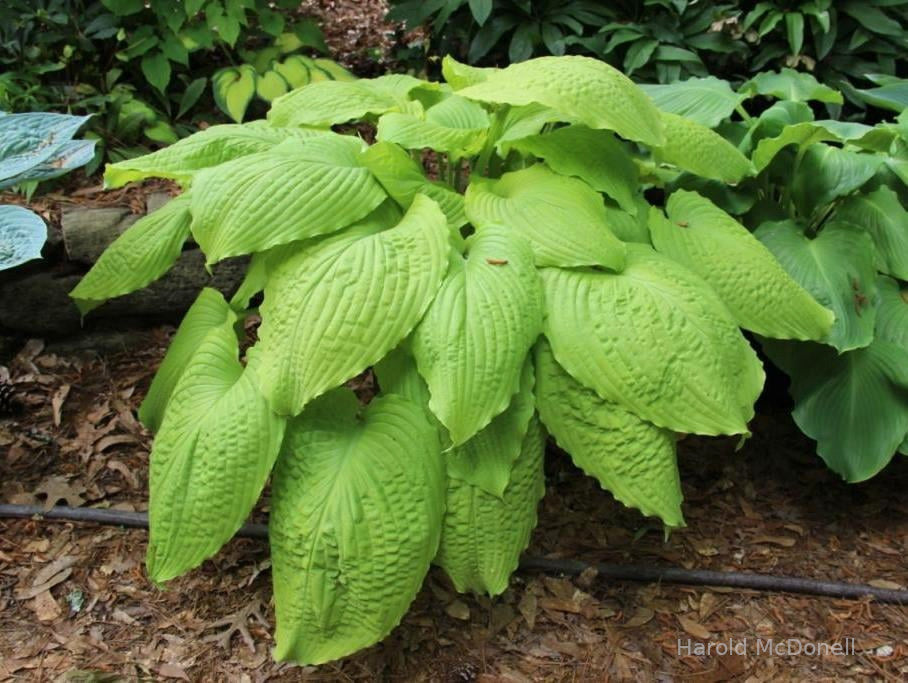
(355,521)
(485,534)
(460,75)
(630,457)
(22,234)
(485,461)
(563,218)
(473,339)
(28,140)
(826,173)
(836,267)
(758,291)
(882,215)
(210,147)
(335,308)
(854,404)
(66,157)
(233,89)
(455,125)
(210,459)
(209,312)
(892,312)
(707,101)
(582,89)
(296,190)
(592,155)
(326,103)
(403,178)
(656,339)
(137,257)
(697,149)
(789,84)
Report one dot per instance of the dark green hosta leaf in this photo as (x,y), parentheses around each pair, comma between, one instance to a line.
(455,126)
(892,312)
(582,89)
(854,404)
(707,101)
(210,459)
(29,140)
(356,516)
(484,534)
(615,332)
(826,173)
(800,134)
(698,149)
(296,190)
(789,84)
(630,457)
(209,312)
(592,155)
(892,96)
(563,218)
(22,234)
(136,258)
(473,340)
(336,307)
(882,215)
(758,291)
(210,147)
(837,268)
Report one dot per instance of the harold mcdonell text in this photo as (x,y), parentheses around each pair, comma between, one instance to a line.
(766,647)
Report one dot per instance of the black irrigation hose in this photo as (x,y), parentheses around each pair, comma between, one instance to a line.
(616,572)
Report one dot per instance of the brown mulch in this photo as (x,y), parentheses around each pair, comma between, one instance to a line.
(75,597)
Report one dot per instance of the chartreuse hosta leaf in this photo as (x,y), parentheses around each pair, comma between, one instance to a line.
(473,340)
(211,458)
(209,147)
(403,178)
(759,292)
(882,215)
(630,457)
(563,218)
(336,307)
(139,256)
(209,312)
(326,103)
(455,125)
(582,89)
(656,339)
(296,190)
(707,101)
(516,123)
(356,514)
(592,155)
(484,534)
(854,404)
(697,149)
(459,75)
(827,172)
(836,267)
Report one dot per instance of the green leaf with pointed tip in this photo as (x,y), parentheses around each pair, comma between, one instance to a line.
(484,534)
(455,126)
(485,461)
(271,85)
(591,155)
(356,515)
(836,267)
(707,101)
(335,308)
(296,190)
(698,149)
(211,458)
(460,75)
(789,84)
(209,312)
(800,134)
(630,457)
(854,404)
(472,342)
(233,89)
(137,257)
(209,147)
(892,312)
(516,123)
(403,178)
(397,374)
(826,173)
(582,89)
(656,339)
(882,215)
(326,103)
(758,291)
(563,218)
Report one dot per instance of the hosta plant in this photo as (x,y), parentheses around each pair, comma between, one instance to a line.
(512,292)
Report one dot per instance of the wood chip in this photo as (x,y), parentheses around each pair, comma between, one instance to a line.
(693,628)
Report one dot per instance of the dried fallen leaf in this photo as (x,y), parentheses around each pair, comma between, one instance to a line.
(458,609)
(58,488)
(642,616)
(45,607)
(886,585)
(527,607)
(173,671)
(784,541)
(57,401)
(694,629)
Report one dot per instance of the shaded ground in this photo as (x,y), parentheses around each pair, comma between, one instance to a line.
(74,597)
